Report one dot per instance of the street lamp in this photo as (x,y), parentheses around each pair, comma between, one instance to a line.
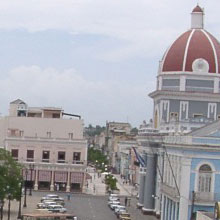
(31,167)
(19,207)
(25,189)
(2,204)
(9,202)
(9,205)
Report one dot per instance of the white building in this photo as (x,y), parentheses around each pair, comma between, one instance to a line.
(49,139)
(182,171)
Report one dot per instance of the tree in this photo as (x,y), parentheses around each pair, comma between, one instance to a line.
(10,176)
(111,182)
(98,158)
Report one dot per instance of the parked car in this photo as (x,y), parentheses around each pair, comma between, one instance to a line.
(113,202)
(50,196)
(119,211)
(41,205)
(124,216)
(54,198)
(59,201)
(49,203)
(113,198)
(114,206)
(57,208)
(118,208)
(113,195)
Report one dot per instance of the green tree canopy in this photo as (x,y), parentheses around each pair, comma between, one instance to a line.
(10,176)
(97,157)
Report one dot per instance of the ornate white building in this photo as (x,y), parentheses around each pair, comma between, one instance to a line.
(188,82)
(182,155)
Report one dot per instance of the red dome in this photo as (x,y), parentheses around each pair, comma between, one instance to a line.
(192,45)
(197,9)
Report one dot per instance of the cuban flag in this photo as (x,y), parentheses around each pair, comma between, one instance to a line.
(139,158)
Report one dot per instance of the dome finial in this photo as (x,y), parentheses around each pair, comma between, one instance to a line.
(197,17)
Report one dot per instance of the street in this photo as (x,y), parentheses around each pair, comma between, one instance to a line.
(85,207)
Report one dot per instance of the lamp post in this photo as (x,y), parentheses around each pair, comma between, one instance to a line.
(2,204)
(9,205)
(19,207)
(25,189)
(31,167)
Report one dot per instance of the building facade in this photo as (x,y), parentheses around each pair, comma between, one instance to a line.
(181,149)
(188,82)
(49,143)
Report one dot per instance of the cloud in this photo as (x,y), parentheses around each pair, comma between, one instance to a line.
(96,101)
(144,25)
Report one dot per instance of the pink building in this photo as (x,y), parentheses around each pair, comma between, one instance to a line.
(49,139)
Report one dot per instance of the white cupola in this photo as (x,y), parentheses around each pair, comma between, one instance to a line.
(197,18)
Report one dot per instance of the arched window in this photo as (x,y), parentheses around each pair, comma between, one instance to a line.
(205,178)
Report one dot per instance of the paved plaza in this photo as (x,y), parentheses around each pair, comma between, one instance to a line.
(85,207)
(91,205)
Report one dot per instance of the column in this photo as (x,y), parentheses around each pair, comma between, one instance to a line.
(141,187)
(165,209)
(68,182)
(176,211)
(150,182)
(36,180)
(216,85)
(162,208)
(182,83)
(52,181)
(184,188)
(169,209)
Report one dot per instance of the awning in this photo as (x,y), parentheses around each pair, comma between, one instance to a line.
(77,177)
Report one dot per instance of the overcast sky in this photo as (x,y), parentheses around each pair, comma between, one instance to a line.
(96,58)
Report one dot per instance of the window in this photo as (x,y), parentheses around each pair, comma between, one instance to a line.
(21,133)
(70,136)
(205,178)
(197,115)
(30,155)
(55,115)
(46,156)
(48,134)
(174,115)
(76,155)
(12,132)
(14,154)
(61,157)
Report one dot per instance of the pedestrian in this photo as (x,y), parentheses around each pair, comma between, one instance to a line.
(126,200)
(129,201)
(68,196)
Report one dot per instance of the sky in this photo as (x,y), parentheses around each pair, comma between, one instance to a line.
(95,58)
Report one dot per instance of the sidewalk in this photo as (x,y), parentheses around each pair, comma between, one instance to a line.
(125,189)
(96,185)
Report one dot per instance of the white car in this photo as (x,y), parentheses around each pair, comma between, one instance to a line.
(113,206)
(119,209)
(113,198)
(113,195)
(56,208)
(50,196)
(41,205)
(114,202)
(49,203)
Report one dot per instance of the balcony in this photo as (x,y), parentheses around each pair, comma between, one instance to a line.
(170,191)
(30,160)
(78,162)
(206,197)
(61,161)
